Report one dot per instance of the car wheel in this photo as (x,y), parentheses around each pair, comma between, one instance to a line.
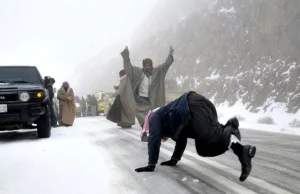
(44,125)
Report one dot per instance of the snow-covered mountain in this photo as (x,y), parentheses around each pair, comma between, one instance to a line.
(231,50)
(234,51)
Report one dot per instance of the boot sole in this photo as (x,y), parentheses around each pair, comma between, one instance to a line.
(251,154)
(252,151)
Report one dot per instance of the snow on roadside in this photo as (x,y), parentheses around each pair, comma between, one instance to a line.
(280,117)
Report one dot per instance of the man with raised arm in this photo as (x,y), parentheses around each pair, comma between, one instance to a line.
(148,83)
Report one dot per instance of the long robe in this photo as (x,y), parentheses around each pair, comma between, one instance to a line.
(127,101)
(67,108)
(123,109)
(156,89)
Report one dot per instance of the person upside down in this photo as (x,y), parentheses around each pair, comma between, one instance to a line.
(194,116)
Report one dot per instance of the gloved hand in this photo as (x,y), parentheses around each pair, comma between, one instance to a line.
(169,163)
(149,168)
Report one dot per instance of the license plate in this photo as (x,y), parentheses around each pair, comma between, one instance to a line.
(3,108)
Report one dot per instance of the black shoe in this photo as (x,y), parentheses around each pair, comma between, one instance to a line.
(248,153)
(144,137)
(126,126)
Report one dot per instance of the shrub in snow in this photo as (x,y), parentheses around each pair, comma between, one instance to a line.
(266,120)
(295,123)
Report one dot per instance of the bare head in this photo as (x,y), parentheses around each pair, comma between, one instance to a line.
(148,66)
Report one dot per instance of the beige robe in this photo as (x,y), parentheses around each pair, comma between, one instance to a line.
(67,108)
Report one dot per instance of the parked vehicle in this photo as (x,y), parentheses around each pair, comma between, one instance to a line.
(105,100)
(24,100)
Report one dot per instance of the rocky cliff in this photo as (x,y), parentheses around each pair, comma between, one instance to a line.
(231,50)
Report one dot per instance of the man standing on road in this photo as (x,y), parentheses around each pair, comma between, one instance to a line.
(122,110)
(89,104)
(49,85)
(83,106)
(67,108)
(148,83)
(194,116)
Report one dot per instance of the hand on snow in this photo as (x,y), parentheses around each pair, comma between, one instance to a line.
(169,163)
(144,137)
(149,168)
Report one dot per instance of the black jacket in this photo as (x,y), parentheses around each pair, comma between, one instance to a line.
(168,121)
(174,120)
(51,93)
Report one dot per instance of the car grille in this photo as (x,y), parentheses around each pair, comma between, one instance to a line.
(8,97)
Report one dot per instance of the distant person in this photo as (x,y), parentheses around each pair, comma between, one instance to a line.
(49,86)
(76,99)
(83,106)
(106,102)
(148,83)
(67,108)
(122,110)
(94,102)
(88,104)
(194,116)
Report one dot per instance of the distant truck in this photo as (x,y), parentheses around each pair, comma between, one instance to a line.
(105,100)
(24,100)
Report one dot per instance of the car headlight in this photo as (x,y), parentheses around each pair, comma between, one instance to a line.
(24,96)
(39,95)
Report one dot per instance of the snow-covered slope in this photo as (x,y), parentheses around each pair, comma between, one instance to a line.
(237,50)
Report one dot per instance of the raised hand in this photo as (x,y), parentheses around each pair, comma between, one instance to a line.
(125,52)
(171,50)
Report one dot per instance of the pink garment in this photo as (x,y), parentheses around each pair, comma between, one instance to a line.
(146,126)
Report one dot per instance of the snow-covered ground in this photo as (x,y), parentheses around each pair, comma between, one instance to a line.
(62,164)
(250,120)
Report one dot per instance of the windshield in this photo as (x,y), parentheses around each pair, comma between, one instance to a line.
(20,75)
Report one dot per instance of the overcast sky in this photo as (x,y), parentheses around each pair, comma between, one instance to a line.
(56,35)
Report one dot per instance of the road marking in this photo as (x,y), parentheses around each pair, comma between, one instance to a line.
(258,182)
(206,172)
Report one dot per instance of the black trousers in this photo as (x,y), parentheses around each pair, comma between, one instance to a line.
(53,114)
(204,128)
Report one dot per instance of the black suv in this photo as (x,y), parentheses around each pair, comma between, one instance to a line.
(24,100)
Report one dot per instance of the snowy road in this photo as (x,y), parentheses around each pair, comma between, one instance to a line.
(96,157)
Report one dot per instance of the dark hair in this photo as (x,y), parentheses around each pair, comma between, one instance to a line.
(122,73)
(147,60)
